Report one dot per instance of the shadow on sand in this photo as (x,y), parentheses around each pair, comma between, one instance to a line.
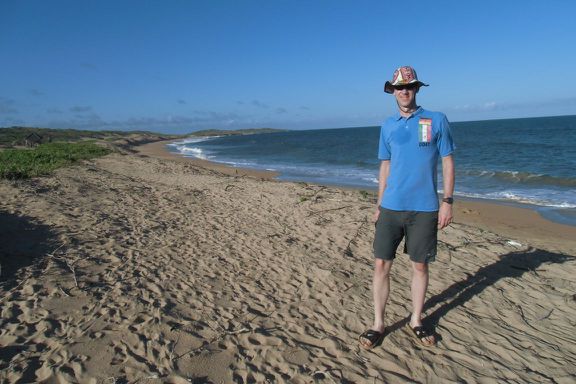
(514,265)
(22,242)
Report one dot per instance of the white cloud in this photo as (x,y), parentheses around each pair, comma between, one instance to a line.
(11,121)
(487,106)
(7,106)
(36,92)
(259,104)
(528,106)
(80,109)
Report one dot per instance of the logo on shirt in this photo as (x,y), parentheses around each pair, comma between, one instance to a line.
(424,132)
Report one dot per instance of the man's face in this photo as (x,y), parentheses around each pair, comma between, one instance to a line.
(406,95)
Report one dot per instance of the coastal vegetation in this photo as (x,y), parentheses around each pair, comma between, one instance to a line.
(45,158)
(27,152)
(16,136)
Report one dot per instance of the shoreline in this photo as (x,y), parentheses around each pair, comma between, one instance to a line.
(158,149)
(509,219)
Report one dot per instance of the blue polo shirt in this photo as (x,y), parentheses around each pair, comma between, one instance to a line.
(413,146)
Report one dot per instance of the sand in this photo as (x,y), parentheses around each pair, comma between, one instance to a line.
(142,267)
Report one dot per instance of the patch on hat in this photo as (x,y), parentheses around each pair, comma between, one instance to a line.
(403,75)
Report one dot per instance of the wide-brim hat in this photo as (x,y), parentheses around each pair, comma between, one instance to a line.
(403,76)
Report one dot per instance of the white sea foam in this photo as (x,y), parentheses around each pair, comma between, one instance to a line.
(519,198)
(193,152)
(183,147)
(190,140)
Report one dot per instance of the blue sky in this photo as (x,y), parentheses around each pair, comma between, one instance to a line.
(179,66)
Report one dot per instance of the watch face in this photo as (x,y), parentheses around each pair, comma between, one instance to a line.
(448,200)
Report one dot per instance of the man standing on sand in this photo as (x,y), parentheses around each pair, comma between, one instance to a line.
(410,143)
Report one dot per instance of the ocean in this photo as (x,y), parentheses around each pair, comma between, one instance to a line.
(529,161)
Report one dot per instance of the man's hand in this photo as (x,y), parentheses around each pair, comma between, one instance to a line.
(376,215)
(444,215)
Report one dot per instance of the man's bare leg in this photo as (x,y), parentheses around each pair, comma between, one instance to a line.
(380,291)
(419,288)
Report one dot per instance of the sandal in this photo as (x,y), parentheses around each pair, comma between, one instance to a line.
(421,334)
(373,338)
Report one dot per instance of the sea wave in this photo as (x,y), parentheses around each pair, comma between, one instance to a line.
(522,187)
(194,152)
(519,198)
(523,178)
(191,140)
(184,147)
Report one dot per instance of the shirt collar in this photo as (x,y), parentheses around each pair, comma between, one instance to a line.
(418,111)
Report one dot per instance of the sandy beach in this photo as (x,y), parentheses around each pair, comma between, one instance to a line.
(142,266)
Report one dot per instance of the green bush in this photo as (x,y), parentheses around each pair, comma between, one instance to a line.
(26,163)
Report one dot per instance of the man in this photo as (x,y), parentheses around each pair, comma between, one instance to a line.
(410,143)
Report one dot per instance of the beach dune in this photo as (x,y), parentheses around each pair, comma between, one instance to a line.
(143,267)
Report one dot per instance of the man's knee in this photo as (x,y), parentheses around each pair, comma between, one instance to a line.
(420,268)
(382,267)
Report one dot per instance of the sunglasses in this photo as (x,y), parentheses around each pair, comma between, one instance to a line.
(406,86)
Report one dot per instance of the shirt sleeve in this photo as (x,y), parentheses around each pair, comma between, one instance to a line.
(383,146)
(445,142)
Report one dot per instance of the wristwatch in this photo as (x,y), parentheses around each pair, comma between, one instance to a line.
(448,200)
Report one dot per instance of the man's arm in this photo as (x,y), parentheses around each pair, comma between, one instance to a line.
(445,212)
(382,178)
